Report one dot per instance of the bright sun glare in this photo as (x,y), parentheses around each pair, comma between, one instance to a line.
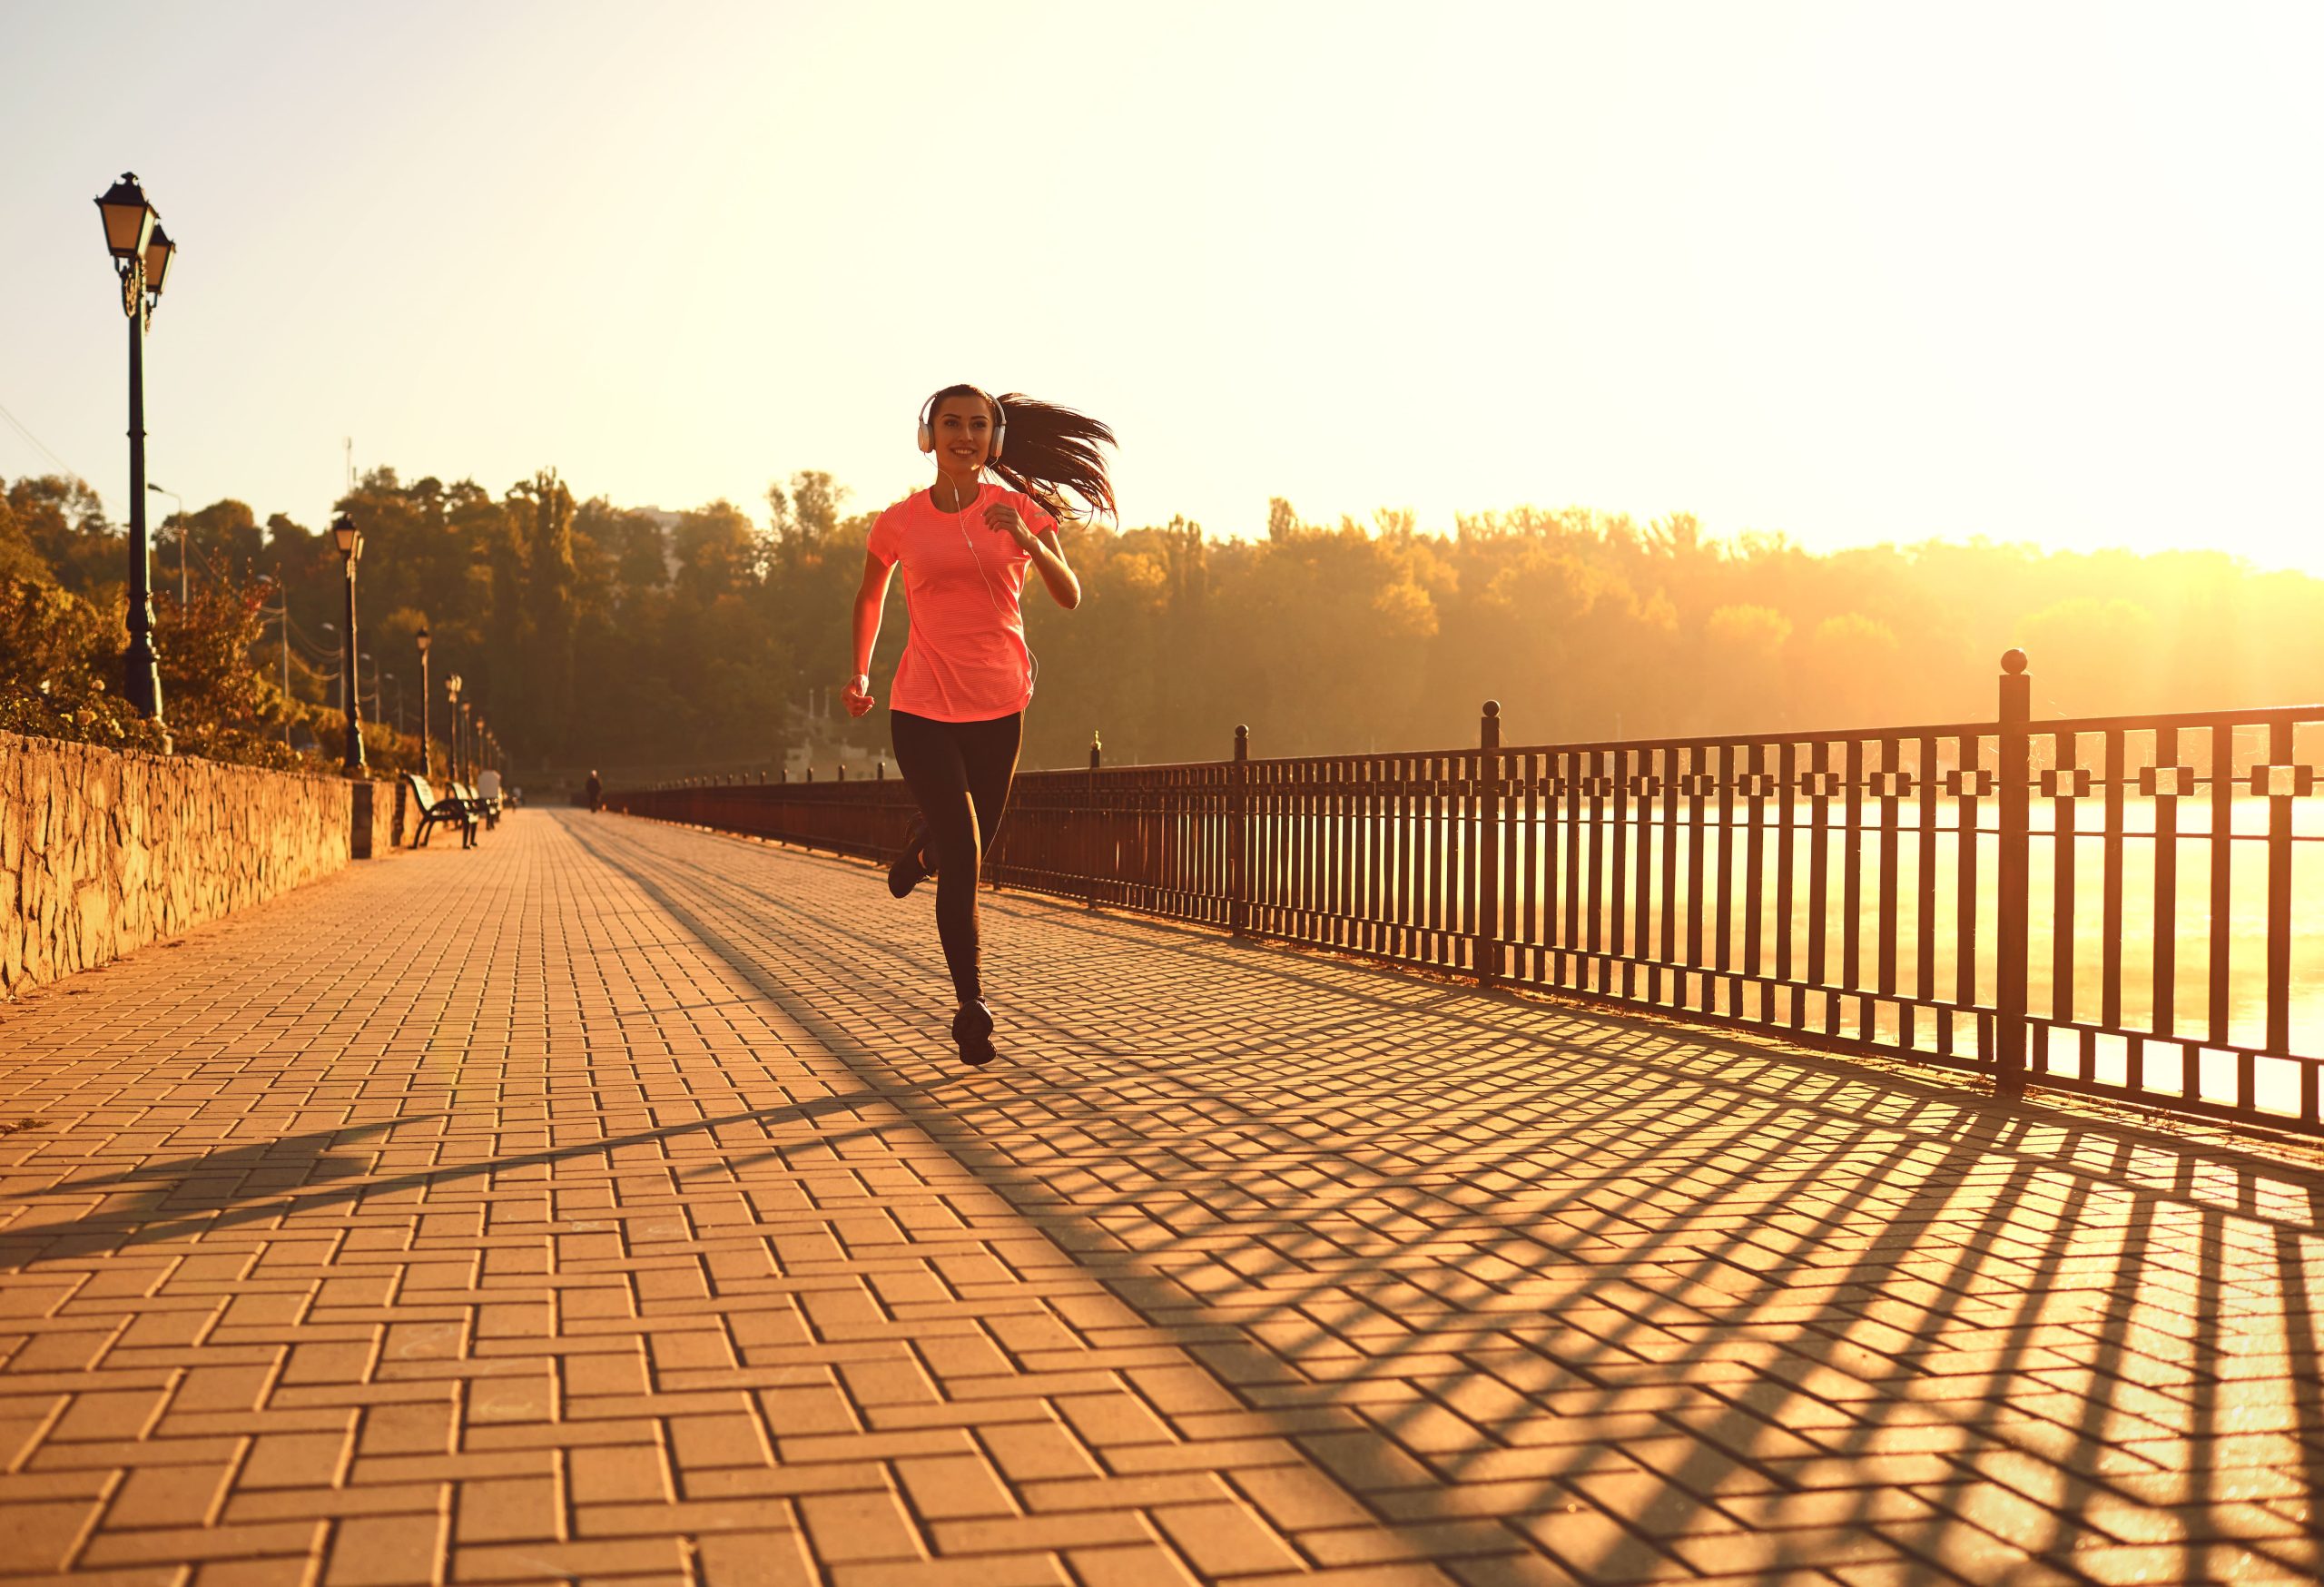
(1852,274)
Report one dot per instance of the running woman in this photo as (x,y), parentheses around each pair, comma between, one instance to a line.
(957,716)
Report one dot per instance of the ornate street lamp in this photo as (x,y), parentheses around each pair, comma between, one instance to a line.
(142,252)
(427,747)
(452,690)
(350,541)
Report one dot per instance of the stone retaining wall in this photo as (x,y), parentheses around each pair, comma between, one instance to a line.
(383,818)
(103,851)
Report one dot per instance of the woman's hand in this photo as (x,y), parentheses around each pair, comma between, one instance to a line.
(1008,520)
(857,694)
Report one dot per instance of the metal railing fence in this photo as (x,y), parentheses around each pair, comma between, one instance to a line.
(2129,906)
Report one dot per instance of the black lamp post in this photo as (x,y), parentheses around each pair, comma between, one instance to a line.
(468,740)
(452,729)
(141,252)
(350,540)
(427,748)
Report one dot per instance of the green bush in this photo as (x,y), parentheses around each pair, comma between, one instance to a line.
(59,656)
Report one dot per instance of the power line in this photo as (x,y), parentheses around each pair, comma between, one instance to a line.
(41,447)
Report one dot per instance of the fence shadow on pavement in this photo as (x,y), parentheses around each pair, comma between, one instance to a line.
(1664,1299)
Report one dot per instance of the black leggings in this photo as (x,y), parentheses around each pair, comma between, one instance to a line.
(959,772)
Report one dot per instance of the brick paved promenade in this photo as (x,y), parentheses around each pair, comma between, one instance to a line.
(604,1205)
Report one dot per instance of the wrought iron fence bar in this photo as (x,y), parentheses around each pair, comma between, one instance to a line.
(1669,867)
(2109,993)
(1852,870)
(1723,885)
(1569,779)
(1819,864)
(2163,951)
(1695,856)
(1511,862)
(1618,856)
(1925,932)
(1965,825)
(1642,866)
(2280,750)
(1755,845)
(1433,854)
(1786,869)
(2064,757)
(2222,858)
(1891,769)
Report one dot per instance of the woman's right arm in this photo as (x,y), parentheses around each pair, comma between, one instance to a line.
(871,596)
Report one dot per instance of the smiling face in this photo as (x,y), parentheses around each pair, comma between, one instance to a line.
(962,428)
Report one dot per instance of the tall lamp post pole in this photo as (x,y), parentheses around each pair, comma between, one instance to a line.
(468,738)
(350,540)
(452,727)
(142,252)
(427,748)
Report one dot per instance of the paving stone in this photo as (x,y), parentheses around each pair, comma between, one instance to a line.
(602,1205)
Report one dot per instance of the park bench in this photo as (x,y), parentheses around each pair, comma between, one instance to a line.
(435,807)
(485,810)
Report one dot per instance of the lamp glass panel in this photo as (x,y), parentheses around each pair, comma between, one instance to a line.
(129,221)
(159,251)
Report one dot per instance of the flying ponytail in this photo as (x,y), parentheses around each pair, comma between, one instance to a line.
(1049,450)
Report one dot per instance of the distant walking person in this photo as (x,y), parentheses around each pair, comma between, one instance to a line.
(595,792)
(958,715)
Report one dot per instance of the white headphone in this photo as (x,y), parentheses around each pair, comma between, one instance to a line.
(1000,423)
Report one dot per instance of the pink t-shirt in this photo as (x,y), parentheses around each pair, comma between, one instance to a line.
(966,660)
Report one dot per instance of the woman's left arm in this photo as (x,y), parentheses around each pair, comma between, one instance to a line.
(1048,556)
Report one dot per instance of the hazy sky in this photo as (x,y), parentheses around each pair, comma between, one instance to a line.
(1849,273)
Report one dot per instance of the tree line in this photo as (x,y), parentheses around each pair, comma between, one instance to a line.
(637,640)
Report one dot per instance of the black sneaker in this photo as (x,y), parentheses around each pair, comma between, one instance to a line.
(973,1033)
(908,870)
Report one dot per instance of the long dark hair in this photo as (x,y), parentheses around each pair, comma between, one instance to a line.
(1047,450)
